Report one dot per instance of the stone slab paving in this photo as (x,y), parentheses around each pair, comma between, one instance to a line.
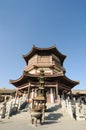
(59,120)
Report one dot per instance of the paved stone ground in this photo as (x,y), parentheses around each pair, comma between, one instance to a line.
(54,120)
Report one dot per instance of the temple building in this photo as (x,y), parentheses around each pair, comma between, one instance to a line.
(51,61)
(6,93)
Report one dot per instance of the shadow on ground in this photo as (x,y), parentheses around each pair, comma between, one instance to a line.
(53,116)
(53,108)
(49,122)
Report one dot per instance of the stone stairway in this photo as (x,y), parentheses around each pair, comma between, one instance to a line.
(53,113)
(56,113)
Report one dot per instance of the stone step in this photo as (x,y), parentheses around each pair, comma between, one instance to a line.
(53,112)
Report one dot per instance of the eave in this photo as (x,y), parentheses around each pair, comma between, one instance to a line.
(26,78)
(23,79)
(68,82)
(44,51)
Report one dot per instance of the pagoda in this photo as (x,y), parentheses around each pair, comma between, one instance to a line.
(50,60)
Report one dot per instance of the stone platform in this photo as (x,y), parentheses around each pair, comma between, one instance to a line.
(55,118)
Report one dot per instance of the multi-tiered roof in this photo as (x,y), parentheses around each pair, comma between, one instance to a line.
(49,59)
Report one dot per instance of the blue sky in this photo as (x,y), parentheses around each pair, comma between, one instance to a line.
(43,23)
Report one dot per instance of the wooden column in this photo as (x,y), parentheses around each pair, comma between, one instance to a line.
(51,96)
(57,90)
(71,95)
(32,94)
(28,90)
